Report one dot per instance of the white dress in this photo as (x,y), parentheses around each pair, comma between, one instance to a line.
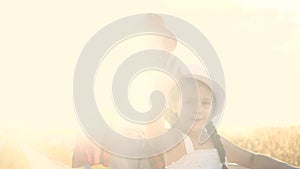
(197,159)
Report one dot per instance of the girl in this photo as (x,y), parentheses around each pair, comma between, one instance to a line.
(207,149)
(86,153)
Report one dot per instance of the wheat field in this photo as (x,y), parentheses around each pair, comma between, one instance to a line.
(282,143)
(12,157)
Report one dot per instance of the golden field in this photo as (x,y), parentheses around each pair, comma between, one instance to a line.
(12,157)
(282,143)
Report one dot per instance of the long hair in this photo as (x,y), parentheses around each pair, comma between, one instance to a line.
(217,143)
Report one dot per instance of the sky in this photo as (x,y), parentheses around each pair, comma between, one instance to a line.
(257,44)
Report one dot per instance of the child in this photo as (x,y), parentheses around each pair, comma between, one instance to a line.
(86,153)
(203,147)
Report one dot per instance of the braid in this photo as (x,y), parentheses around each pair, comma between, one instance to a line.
(217,142)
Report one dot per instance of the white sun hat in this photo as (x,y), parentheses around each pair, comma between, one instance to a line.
(199,73)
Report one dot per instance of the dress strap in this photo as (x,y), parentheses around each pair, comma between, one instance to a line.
(188,144)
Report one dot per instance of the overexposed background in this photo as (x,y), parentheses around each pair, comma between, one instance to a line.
(257,44)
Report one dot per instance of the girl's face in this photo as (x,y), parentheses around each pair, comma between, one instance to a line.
(204,101)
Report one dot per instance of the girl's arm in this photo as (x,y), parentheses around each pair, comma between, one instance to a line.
(246,158)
